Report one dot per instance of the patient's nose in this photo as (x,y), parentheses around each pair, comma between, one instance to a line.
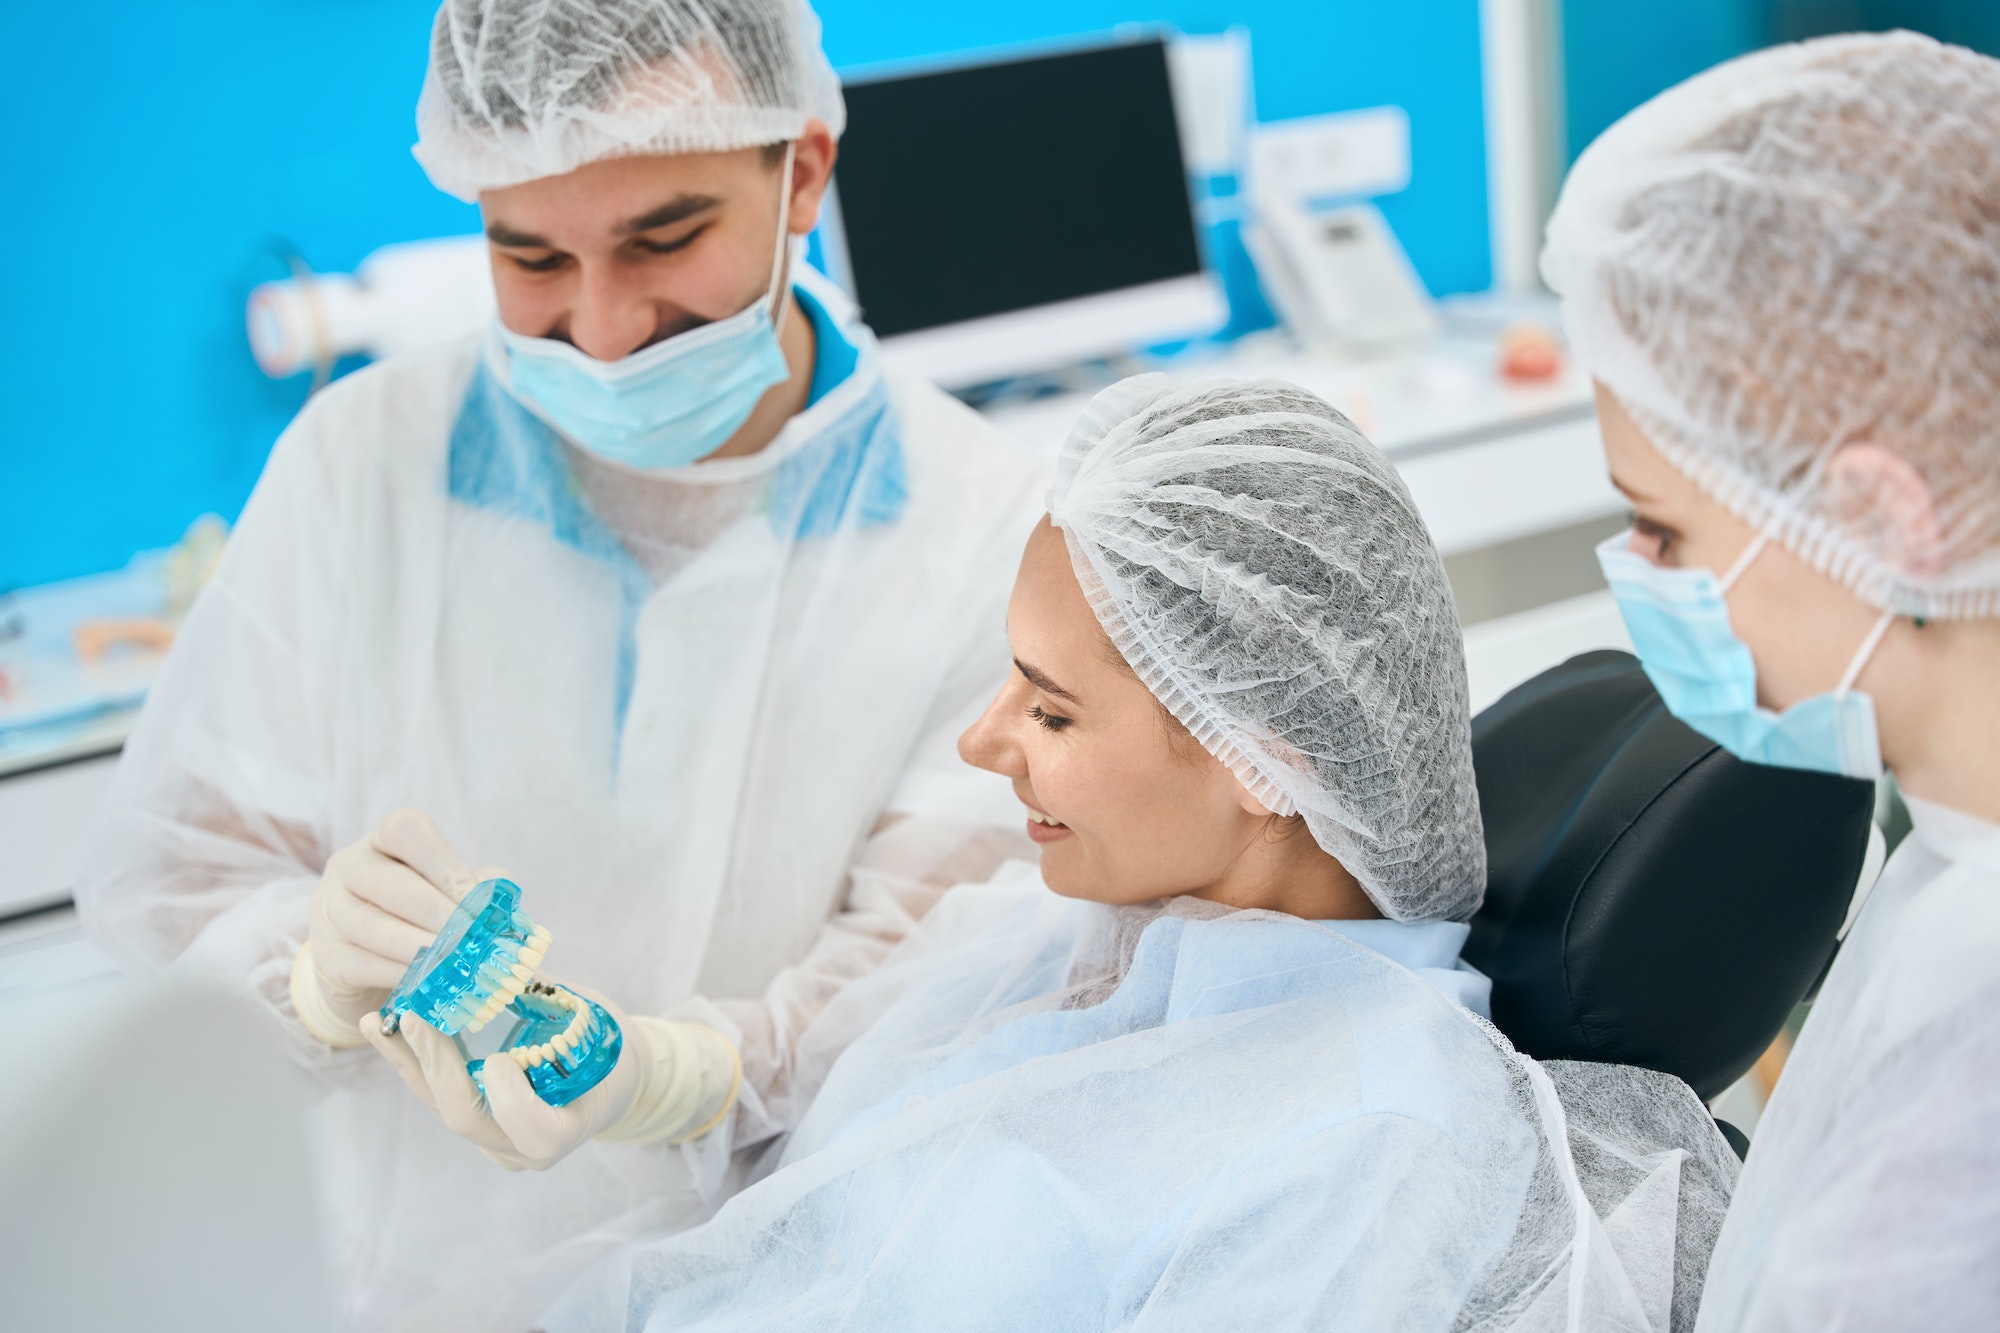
(989,743)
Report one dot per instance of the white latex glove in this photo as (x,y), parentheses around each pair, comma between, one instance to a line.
(673,1081)
(379,903)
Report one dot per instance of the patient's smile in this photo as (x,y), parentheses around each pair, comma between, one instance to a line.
(1044,827)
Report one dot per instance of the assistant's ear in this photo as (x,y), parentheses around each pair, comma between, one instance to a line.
(812,170)
(1883,500)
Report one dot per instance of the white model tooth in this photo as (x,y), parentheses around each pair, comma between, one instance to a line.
(523,973)
(520,1054)
(531,958)
(534,1057)
(563,1043)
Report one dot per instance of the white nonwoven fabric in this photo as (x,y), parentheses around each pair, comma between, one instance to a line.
(521,89)
(674,707)
(1787,262)
(1263,569)
(1049,1114)
(1871,1198)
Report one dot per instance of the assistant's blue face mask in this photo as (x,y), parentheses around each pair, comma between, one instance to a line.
(670,404)
(1679,623)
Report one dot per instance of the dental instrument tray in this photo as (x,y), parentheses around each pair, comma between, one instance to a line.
(476,984)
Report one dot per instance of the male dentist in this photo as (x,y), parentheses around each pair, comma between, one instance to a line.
(663,594)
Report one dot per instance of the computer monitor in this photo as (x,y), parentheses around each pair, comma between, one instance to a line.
(1004,218)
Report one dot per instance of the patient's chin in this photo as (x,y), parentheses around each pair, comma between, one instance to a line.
(1067,874)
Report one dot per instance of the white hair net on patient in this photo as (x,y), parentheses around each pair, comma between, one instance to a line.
(1791,263)
(521,89)
(1263,569)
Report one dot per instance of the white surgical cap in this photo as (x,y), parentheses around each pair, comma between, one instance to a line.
(521,89)
(1264,571)
(1796,252)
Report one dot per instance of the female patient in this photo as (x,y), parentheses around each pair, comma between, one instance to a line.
(1232,1073)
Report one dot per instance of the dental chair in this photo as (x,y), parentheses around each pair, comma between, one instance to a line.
(1650,899)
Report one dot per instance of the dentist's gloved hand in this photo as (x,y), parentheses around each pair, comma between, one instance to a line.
(673,1081)
(379,903)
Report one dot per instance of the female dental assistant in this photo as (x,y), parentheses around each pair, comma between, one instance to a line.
(1785,276)
(660,595)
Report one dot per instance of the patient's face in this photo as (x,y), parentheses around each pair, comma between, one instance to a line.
(1139,809)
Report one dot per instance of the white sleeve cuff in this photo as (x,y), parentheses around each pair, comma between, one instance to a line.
(691,1076)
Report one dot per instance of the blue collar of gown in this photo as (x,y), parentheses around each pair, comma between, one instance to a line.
(505,459)
(1431,949)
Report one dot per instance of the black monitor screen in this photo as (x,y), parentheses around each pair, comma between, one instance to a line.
(972,192)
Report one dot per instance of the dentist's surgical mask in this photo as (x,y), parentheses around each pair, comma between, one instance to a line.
(1679,622)
(670,404)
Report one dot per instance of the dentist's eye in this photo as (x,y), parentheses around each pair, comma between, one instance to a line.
(653,247)
(546,264)
(1046,720)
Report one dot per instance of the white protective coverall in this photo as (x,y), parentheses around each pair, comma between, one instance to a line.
(672,706)
(1867,1200)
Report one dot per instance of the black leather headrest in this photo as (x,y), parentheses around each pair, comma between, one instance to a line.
(1650,899)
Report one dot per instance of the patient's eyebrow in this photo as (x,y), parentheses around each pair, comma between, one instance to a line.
(1043,683)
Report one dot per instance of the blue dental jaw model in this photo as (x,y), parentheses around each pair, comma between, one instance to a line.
(475,983)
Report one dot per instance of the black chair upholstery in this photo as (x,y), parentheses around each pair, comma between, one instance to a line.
(1650,899)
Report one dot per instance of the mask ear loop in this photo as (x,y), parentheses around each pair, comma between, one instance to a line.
(1867,650)
(1750,552)
(781,256)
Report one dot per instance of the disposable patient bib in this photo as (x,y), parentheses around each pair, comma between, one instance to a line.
(1679,622)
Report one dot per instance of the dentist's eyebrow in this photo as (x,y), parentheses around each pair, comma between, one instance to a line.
(678,209)
(1043,683)
(507,238)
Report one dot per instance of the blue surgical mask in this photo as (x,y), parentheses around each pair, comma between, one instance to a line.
(1679,623)
(670,404)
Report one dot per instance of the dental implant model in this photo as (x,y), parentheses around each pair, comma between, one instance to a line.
(475,983)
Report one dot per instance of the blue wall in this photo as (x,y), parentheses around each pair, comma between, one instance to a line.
(1616,54)
(165,157)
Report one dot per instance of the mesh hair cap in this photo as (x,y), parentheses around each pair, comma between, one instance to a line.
(1264,571)
(521,89)
(1788,268)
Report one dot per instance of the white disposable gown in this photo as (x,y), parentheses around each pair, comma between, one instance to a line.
(1048,1114)
(672,707)
(1871,1197)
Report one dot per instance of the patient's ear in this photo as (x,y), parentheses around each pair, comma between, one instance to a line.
(1883,500)
(1283,753)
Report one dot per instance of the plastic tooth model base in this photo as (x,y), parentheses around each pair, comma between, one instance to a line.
(481,969)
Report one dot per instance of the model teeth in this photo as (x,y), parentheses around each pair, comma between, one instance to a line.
(557,1050)
(505,986)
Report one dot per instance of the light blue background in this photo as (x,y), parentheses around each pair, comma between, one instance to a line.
(161,158)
